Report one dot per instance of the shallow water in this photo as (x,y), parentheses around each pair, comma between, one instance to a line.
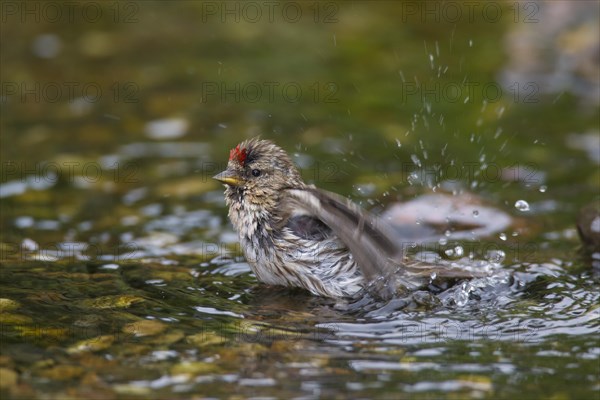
(122,278)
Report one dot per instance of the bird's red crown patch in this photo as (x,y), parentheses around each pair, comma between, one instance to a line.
(239,155)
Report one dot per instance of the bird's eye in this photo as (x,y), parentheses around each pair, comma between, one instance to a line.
(255,172)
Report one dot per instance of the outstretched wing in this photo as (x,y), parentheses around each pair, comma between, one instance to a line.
(308,227)
(370,240)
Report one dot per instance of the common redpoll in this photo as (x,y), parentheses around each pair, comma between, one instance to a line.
(293,234)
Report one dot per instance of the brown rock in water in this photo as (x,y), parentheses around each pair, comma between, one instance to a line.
(588,226)
(465,216)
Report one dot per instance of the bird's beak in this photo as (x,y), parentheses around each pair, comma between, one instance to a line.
(229,178)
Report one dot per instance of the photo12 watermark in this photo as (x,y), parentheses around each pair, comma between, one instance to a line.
(410,172)
(269,92)
(505,248)
(325,12)
(68,92)
(470,171)
(29,250)
(469,11)
(85,337)
(51,172)
(318,171)
(69,12)
(468,92)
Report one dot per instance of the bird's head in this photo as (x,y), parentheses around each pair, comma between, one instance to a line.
(257,172)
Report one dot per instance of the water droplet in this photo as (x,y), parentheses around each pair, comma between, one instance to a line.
(413,178)
(415,160)
(365,188)
(500,111)
(502,236)
(470,42)
(433,276)
(458,250)
(443,241)
(543,188)
(496,256)
(522,205)
(475,213)
(462,296)
(398,143)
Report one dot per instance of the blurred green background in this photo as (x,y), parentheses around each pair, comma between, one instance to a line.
(456,82)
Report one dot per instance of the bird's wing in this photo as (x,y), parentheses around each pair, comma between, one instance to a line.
(370,240)
(308,227)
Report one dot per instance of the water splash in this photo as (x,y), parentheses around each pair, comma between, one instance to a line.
(522,205)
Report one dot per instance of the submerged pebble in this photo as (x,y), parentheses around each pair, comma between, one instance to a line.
(144,328)
(8,305)
(90,345)
(117,301)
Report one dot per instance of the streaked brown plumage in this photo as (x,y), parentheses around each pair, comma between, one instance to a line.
(294,234)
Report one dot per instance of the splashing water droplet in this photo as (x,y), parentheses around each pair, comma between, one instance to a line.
(458,250)
(522,205)
(502,236)
(413,178)
(475,213)
(500,111)
(496,256)
(415,160)
(398,143)
(462,296)
(543,189)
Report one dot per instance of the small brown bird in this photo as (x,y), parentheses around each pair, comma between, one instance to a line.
(294,234)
